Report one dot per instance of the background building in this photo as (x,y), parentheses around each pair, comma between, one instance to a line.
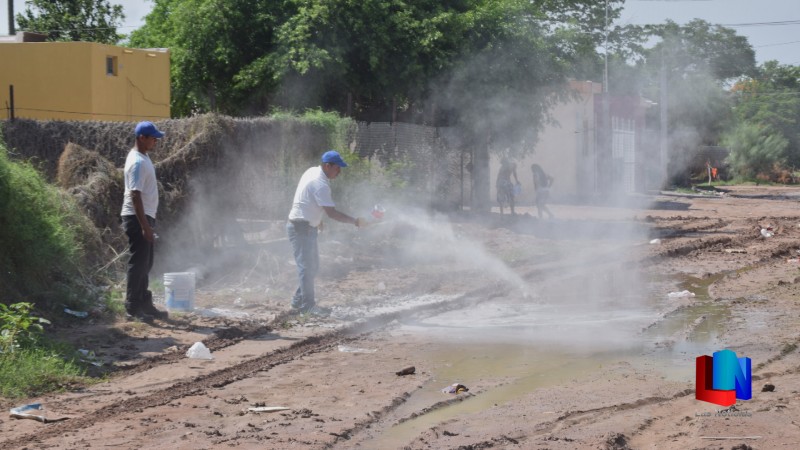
(82,81)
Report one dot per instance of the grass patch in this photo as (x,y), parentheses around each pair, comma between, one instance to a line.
(35,371)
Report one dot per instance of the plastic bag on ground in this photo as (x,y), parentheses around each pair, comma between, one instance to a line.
(680,294)
(199,351)
(26,412)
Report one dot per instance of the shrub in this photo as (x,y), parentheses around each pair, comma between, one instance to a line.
(42,236)
(755,150)
(18,329)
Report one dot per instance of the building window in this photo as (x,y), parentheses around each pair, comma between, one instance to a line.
(111,66)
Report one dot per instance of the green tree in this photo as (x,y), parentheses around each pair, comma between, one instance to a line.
(754,149)
(698,61)
(772,99)
(73,20)
(223,52)
(374,59)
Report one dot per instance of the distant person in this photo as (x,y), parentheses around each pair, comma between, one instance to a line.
(542,183)
(139,220)
(312,197)
(504,186)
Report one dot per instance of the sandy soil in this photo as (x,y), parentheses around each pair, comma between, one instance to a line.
(562,330)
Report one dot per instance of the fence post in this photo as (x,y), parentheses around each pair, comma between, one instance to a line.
(11,99)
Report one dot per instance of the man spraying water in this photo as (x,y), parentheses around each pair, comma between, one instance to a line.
(311,199)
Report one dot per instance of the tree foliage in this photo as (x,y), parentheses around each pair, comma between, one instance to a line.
(700,46)
(73,20)
(689,67)
(223,52)
(373,59)
(754,150)
(771,99)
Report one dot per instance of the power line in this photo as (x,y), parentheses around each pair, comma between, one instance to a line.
(762,24)
(67,30)
(766,94)
(772,45)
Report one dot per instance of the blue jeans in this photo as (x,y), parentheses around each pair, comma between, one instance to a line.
(306,254)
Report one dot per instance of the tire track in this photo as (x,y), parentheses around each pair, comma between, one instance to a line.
(248,368)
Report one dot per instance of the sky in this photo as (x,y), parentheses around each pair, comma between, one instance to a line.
(758,20)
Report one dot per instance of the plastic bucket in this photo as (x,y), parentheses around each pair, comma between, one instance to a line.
(179,291)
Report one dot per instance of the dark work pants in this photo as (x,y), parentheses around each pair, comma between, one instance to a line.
(139,264)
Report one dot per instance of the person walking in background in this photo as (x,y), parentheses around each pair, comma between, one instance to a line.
(139,208)
(541,183)
(311,199)
(504,186)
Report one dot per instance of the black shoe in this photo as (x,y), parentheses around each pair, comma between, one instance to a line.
(150,310)
(132,316)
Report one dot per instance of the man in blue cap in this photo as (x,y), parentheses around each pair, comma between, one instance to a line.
(138,220)
(311,199)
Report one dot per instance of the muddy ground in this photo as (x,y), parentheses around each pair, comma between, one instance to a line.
(563,331)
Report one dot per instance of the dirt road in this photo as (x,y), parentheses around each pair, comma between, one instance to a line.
(579,332)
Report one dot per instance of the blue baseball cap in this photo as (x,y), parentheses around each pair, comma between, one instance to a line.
(333,157)
(148,129)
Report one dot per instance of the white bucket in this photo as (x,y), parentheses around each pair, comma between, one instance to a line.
(179,290)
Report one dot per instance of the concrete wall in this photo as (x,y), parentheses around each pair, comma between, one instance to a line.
(69,81)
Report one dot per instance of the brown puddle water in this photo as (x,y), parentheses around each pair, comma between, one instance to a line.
(508,349)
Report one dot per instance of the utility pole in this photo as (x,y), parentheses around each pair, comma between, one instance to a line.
(607,162)
(664,135)
(605,53)
(11,30)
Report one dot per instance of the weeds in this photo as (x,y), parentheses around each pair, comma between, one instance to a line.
(34,371)
(18,328)
(29,366)
(42,236)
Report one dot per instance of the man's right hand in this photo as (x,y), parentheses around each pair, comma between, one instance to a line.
(149,234)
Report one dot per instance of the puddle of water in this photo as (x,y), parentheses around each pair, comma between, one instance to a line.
(514,322)
(518,346)
(523,368)
(701,321)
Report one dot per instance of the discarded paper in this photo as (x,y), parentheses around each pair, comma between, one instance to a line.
(348,349)
(267,408)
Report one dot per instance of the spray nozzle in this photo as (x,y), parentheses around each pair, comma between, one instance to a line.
(377,211)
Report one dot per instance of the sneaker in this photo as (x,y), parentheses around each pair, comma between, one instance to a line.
(318,311)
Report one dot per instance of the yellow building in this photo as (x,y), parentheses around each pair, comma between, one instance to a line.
(83,81)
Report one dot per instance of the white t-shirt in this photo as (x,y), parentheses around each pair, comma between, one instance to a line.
(140,175)
(313,192)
